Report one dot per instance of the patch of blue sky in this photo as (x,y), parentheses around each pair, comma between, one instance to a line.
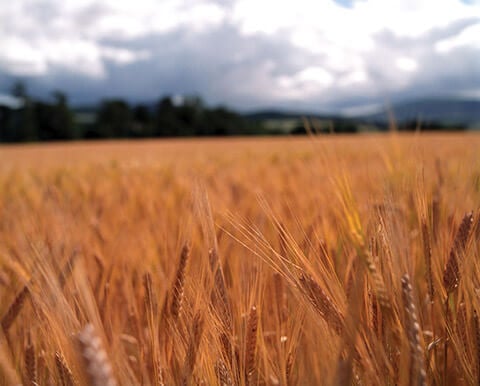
(345,3)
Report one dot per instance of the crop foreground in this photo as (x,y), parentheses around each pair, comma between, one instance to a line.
(322,261)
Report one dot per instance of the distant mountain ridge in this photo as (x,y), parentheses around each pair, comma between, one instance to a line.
(464,113)
(446,111)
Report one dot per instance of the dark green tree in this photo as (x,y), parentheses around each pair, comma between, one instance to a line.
(54,120)
(26,128)
(190,115)
(114,119)
(166,121)
(142,121)
(63,117)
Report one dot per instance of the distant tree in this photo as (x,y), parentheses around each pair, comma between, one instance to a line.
(10,117)
(26,128)
(142,121)
(344,126)
(221,121)
(194,101)
(114,119)
(19,90)
(62,117)
(7,124)
(44,120)
(166,121)
(190,115)
(54,120)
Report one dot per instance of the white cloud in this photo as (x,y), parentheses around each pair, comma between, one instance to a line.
(126,19)
(305,83)
(311,49)
(70,35)
(406,64)
(353,78)
(316,75)
(469,37)
(36,56)
(344,41)
(19,57)
(122,56)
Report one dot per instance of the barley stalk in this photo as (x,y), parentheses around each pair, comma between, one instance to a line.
(289,368)
(68,268)
(219,296)
(476,324)
(150,297)
(427,254)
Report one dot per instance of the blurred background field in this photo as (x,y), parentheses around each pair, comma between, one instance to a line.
(291,274)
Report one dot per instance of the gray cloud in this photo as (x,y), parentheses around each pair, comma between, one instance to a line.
(217,59)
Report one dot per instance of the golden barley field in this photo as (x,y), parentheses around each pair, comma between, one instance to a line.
(329,260)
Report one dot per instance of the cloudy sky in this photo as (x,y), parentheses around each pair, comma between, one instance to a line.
(248,54)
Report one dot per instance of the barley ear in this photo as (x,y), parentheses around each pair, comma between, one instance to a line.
(96,364)
(178,284)
(192,350)
(66,375)
(31,362)
(427,254)
(451,275)
(222,373)
(418,374)
(14,309)
(322,303)
(251,344)
(378,282)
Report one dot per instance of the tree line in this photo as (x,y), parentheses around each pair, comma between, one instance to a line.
(53,119)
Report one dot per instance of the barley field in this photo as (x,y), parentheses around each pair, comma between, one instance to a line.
(330,260)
